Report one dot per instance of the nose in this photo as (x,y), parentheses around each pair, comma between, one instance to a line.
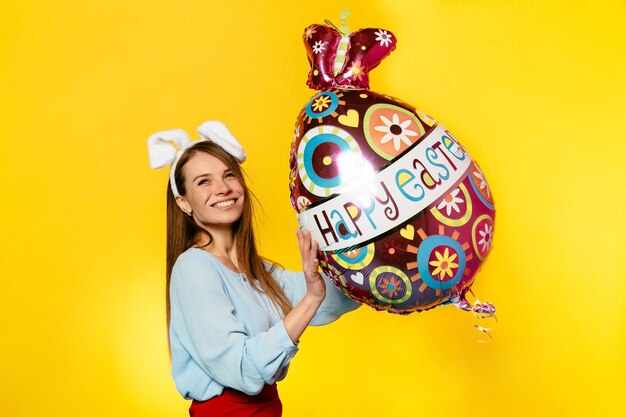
(222,187)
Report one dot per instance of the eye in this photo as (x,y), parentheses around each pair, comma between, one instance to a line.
(230,175)
(203,181)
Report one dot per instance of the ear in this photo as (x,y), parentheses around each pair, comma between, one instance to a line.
(183,205)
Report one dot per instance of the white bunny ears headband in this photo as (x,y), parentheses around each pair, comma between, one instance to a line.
(167,146)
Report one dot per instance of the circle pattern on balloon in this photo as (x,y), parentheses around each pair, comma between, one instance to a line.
(482,235)
(451,204)
(441,262)
(390,130)
(322,104)
(327,158)
(355,259)
(390,285)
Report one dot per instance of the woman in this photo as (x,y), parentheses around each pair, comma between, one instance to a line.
(234,318)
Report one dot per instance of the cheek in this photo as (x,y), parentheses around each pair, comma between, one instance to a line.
(240,188)
(200,198)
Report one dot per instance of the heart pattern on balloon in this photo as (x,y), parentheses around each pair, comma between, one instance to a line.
(351,118)
(358,278)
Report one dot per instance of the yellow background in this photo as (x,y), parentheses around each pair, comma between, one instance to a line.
(535,90)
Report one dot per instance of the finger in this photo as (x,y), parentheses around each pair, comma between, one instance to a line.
(314,250)
(300,240)
(313,260)
(307,245)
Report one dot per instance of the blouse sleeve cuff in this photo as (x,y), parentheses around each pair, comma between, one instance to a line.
(283,338)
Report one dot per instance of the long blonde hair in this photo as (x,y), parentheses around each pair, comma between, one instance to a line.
(182,231)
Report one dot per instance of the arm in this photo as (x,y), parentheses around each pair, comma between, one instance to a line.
(216,339)
(335,304)
(294,285)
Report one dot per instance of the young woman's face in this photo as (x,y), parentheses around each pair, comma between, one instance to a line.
(214,194)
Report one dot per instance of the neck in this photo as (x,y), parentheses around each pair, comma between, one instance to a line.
(222,243)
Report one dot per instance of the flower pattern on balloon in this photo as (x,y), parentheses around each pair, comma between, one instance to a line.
(482,183)
(302,202)
(383,37)
(450,202)
(390,286)
(396,130)
(308,32)
(485,237)
(292,179)
(318,47)
(357,71)
(296,133)
(321,103)
(444,265)
(391,251)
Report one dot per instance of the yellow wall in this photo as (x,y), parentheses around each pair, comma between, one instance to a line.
(535,90)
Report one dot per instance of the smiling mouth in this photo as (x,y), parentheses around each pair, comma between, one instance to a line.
(224,204)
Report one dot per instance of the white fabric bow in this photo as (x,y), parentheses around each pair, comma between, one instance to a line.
(217,132)
(167,146)
(164,146)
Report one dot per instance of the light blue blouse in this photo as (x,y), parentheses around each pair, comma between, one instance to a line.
(223,333)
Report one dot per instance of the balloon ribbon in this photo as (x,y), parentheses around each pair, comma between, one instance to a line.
(342,48)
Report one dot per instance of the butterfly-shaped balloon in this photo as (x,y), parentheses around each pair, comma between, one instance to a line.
(367,48)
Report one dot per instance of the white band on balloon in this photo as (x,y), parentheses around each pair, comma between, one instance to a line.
(167,146)
(370,208)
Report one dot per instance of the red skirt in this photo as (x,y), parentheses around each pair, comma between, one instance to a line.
(233,403)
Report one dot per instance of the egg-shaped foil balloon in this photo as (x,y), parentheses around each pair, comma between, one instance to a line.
(403,215)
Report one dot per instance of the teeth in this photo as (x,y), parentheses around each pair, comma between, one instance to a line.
(225,203)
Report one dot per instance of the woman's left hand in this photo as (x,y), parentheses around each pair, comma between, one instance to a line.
(316,287)
(300,316)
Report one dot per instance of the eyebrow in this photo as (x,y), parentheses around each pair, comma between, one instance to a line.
(210,175)
(202,175)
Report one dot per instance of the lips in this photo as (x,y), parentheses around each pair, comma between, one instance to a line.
(224,204)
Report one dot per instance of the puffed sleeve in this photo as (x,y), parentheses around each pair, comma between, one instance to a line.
(216,338)
(334,305)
